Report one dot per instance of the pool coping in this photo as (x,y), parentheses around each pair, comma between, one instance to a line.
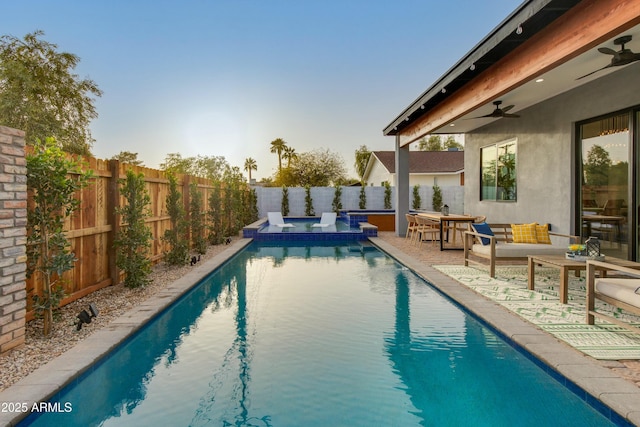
(585,372)
(46,381)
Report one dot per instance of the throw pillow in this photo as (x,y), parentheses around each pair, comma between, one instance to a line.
(483,228)
(524,233)
(542,234)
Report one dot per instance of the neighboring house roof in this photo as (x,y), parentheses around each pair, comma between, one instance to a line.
(421,162)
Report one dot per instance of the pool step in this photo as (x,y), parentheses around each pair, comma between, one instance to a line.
(362,247)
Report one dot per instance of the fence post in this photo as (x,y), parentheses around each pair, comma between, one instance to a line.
(113,203)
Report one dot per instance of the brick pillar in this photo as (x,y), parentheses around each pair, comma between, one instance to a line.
(13,238)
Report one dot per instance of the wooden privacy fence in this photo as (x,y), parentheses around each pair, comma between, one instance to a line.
(94,226)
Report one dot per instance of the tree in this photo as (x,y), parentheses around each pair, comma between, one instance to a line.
(210,167)
(308,201)
(319,168)
(450,142)
(249,165)
(434,143)
(362,158)
(289,154)
(134,239)
(129,158)
(53,180)
(174,163)
(277,146)
(596,168)
(41,95)
(362,203)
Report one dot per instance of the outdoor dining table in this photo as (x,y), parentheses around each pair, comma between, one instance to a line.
(444,221)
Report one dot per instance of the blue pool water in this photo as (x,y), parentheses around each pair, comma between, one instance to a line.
(326,335)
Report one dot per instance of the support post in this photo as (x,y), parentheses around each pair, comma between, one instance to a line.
(402,187)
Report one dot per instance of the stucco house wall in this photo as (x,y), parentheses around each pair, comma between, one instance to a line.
(546,174)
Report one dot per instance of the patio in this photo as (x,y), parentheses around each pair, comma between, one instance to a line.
(429,256)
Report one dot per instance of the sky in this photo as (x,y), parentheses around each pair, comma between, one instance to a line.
(227,77)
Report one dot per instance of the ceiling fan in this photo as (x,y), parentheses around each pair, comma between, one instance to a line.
(499,113)
(622,57)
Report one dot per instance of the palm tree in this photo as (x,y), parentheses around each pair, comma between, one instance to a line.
(289,154)
(249,165)
(277,146)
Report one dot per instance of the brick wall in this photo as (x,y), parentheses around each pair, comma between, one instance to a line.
(13,237)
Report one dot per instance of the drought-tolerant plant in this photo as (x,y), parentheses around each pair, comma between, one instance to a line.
(252,203)
(308,201)
(437,198)
(387,195)
(176,235)
(134,239)
(284,206)
(417,200)
(53,179)
(337,202)
(362,204)
(197,219)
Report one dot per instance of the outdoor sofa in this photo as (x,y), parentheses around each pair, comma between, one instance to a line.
(622,291)
(495,242)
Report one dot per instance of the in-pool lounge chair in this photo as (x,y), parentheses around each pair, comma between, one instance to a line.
(327,219)
(622,291)
(275,218)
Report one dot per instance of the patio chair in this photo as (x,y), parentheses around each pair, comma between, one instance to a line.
(412,226)
(620,291)
(327,219)
(275,218)
(426,226)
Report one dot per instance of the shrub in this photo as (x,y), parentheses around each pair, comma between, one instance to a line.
(134,239)
(437,198)
(337,203)
(387,195)
(417,200)
(362,204)
(308,202)
(175,236)
(285,201)
(197,220)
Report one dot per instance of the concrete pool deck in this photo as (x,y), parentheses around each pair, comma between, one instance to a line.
(623,396)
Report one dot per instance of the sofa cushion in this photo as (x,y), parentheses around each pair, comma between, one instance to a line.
(621,289)
(520,250)
(524,233)
(483,228)
(542,234)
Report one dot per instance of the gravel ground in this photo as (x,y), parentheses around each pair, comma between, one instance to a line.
(111,302)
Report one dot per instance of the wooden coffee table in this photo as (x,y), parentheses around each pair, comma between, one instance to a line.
(566,265)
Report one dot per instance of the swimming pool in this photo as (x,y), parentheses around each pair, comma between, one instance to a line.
(330,334)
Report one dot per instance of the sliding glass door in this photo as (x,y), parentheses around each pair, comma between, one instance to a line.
(605,151)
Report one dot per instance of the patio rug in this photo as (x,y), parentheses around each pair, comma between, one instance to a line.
(542,307)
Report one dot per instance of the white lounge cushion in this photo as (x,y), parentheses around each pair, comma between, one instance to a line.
(327,219)
(620,289)
(520,250)
(275,218)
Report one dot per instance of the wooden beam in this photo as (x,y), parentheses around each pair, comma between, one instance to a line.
(588,24)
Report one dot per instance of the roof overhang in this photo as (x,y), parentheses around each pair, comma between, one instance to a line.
(554,40)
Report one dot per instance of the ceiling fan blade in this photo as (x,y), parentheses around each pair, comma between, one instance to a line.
(511,116)
(507,108)
(593,72)
(607,51)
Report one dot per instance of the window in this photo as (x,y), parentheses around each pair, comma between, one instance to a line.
(498,171)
